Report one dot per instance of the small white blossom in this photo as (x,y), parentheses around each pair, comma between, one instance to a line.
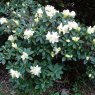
(14,12)
(90,75)
(94,27)
(52,54)
(14,31)
(24,56)
(36,70)
(3,20)
(75,38)
(56,50)
(63,29)
(14,45)
(68,56)
(93,41)
(12,38)
(36,19)
(90,30)
(16,22)
(73,14)
(68,40)
(19,15)
(8,26)
(79,28)
(87,58)
(14,74)
(8,3)
(72,25)
(23,4)
(50,11)
(67,13)
(28,33)
(52,37)
(39,13)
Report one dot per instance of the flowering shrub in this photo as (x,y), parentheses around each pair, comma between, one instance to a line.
(36,40)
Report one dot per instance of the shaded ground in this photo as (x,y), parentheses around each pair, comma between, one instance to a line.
(5,86)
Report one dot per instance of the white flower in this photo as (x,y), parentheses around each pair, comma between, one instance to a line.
(63,29)
(56,50)
(36,19)
(39,13)
(35,70)
(79,28)
(50,11)
(90,30)
(8,3)
(93,41)
(3,20)
(15,74)
(67,13)
(12,38)
(75,38)
(72,25)
(73,14)
(52,54)
(90,75)
(14,45)
(52,37)
(14,12)
(14,31)
(87,57)
(68,40)
(24,56)
(28,33)
(23,4)
(19,15)
(94,27)
(16,22)
(68,55)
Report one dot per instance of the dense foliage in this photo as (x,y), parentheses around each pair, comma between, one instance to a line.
(38,41)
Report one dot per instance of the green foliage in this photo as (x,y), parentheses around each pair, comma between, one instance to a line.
(39,40)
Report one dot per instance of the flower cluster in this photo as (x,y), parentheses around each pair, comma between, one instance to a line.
(33,70)
(12,38)
(3,20)
(67,13)
(38,15)
(15,74)
(91,30)
(75,39)
(64,29)
(24,56)
(50,11)
(14,45)
(52,37)
(69,26)
(28,33)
